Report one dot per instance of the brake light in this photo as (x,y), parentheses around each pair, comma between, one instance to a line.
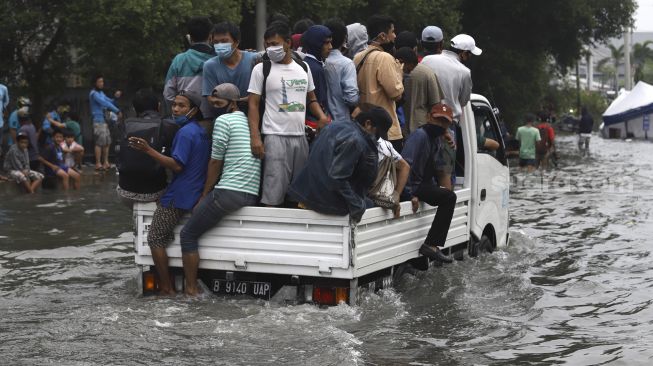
(149,282)
(330,295)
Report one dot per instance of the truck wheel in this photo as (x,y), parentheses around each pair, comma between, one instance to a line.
(473,248)
(482,246)
(485,245)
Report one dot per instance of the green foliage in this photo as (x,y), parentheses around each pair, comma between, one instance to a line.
(129,41)
(562,101)
(519,38)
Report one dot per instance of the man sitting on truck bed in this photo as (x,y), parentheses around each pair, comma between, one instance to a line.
(421,151)
(342,165)
(233,176)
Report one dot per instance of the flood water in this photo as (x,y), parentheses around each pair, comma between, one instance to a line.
(573,287)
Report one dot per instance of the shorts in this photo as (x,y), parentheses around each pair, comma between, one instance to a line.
(284,157)
(164,221)
(527,162)
(63,167)
(101,134)
(20,178)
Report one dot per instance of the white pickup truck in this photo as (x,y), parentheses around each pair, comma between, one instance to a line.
(303,256)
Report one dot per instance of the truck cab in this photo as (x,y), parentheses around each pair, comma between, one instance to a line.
(298,256)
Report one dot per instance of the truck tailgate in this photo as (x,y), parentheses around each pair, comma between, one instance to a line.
(264,240)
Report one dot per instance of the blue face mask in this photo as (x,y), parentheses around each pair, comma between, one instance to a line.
(183,119)
(223,50)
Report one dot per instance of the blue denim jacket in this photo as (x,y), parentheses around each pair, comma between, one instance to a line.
(343,86)
(341,168)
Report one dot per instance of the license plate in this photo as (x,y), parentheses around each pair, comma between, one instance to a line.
(256,289)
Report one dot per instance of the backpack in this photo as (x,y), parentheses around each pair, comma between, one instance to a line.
(542,146)
(156,131)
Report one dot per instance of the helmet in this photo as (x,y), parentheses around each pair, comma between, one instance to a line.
(24,102)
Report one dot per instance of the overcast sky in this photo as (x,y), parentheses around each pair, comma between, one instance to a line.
(644,16)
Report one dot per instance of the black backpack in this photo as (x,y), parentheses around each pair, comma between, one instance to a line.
(158,133)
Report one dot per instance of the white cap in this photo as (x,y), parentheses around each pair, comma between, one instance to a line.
(432,34)
(465,42)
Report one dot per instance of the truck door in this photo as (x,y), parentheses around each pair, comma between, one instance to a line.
(491,186)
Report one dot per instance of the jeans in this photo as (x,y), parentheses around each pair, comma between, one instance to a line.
(445,200)
(213,208)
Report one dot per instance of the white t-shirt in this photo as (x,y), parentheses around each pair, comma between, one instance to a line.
(285,97)
(386,149)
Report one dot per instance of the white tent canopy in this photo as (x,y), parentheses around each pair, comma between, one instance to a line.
(629,105)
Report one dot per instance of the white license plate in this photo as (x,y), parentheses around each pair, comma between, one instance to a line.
(256,289)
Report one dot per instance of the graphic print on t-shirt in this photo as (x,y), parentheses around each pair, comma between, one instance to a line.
(298,85)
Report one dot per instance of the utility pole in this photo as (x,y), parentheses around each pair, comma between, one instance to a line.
(578,106)
(590,70)
(261,8)
(628,81)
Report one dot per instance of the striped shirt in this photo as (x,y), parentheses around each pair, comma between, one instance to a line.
(231,143)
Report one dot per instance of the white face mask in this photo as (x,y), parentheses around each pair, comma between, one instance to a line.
(276,53)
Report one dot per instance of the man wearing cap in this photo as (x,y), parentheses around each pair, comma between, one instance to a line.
(342,165)
(456,82)
(188,161)
(233,176)
(420,152)
(432,38)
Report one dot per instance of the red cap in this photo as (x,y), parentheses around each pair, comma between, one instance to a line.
(442,110)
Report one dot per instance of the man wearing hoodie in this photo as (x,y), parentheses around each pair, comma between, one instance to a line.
(356,39)
(230,66)
(317,45)
(185,72)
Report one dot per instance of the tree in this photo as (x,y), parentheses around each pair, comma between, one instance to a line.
(520,38)
(616,55)
(640,54)
(129,41)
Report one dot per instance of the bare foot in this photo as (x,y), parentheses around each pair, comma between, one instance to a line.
(167,293)
(193,291)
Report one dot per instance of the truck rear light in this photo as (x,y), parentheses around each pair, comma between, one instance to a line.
(149,282)
(330,295)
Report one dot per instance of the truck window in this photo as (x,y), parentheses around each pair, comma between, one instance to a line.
(488,128)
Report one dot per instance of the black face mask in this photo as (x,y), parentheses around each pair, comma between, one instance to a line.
(433,130)
(389,47)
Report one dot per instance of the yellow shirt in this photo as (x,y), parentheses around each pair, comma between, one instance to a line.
(380,83)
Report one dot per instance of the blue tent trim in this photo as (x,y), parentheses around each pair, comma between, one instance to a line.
(628,115)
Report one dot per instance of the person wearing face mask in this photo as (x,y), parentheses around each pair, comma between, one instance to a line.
(379,74)
(188,161)
(456,81)
(230,65)
(185,72)
(342,165)
(285,94)
(420,152)
(233,176)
